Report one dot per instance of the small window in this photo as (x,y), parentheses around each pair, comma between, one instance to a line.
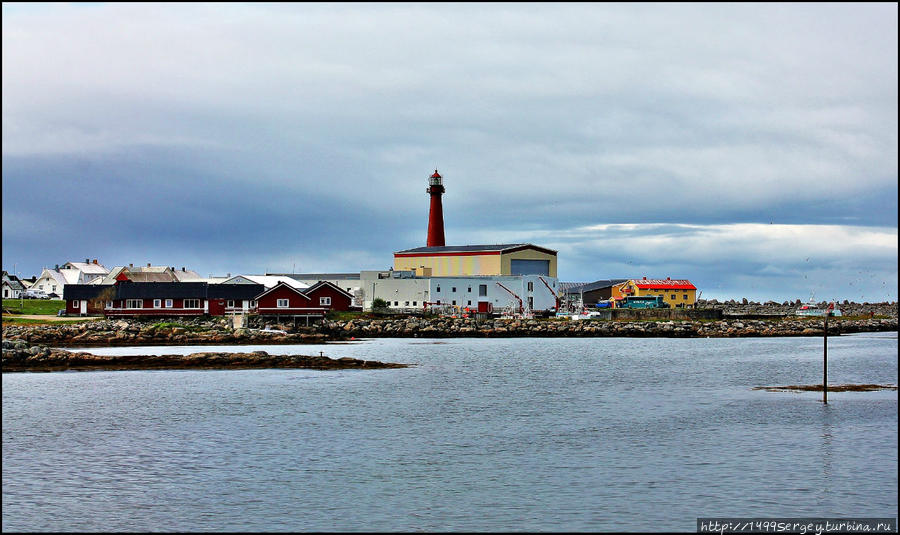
(469,290)
(469,303)
(406,303)
(453,289)
(169,303)
(75,303)
(454,301)
(530,286)
(396,303)
(109,304)
(134,303)
(482,290)
(282,303)
(324,301)
(684,297)
(230,303)
(414,303)
(253,303)
(438,289)
(439,301)
(157,303)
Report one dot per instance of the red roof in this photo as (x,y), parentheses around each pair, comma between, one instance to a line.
(664,284)
(435,175)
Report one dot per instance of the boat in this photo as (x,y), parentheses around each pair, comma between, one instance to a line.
(813,309)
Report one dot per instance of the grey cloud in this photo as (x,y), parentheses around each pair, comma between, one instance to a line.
(317,123)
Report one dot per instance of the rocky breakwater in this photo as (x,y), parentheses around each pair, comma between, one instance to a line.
(106,333)
(457,327)
(20,357)
(789,308)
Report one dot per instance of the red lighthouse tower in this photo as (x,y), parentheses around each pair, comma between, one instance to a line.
(436,212)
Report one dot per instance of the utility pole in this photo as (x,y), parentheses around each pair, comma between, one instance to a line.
(825,362)
(825,356)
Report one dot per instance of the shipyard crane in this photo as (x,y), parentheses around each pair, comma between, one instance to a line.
(519,299)
(555,296)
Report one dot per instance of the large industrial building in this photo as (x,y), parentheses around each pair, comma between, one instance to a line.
(405,290)
(517,277)
(464,260)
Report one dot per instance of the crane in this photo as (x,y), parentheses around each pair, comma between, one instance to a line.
(519,299)
(551,292)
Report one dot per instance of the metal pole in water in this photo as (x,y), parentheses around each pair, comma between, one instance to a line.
(825,363)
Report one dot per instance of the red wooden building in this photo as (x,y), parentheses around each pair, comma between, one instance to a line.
(328,296)
(317,300)
(159,299)
(127,298)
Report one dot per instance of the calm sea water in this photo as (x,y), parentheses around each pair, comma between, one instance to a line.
(598,434)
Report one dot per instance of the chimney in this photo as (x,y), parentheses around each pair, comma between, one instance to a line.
(182,268)
(131,265)
(95,261)
(57,267)
(87,261)
(148,264)
(667,278)
(645,277)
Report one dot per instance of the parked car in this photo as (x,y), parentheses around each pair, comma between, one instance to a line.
(36,294)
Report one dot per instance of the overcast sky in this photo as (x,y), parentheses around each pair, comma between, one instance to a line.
(750,148)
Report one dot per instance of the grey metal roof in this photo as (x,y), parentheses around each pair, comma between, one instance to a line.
(574,288)
(318,276)
(234,291)
(14,284)
(475,248)
(88,291)
(150,290)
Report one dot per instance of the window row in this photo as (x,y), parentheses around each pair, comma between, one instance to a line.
(158,303)
(482,289)
(285,303)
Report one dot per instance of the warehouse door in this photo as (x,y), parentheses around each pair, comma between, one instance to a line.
(530,267)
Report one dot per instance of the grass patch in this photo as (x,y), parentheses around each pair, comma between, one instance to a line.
(42,307)
(344,315)
(12,320)
(167,325)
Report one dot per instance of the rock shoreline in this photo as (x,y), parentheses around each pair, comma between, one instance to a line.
(19,357)
(107,333)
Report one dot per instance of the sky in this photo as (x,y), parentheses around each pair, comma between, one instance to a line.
(749,148)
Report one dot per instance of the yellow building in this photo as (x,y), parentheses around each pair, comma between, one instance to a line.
(678,293)
(464,260)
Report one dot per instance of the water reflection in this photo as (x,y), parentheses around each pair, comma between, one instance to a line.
(826,450)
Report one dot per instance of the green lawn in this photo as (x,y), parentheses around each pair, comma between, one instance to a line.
(12,320)
(44,307)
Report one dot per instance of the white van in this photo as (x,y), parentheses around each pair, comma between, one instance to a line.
(36,294)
